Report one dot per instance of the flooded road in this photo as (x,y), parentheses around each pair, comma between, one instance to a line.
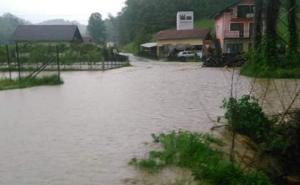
(85,131)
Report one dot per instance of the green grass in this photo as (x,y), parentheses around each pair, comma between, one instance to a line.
(6,84)
(130,48)
(200,154)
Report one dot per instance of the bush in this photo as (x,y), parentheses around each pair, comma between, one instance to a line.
(245,116)
(286,144)
(287,65)
(3,58)
(199,153)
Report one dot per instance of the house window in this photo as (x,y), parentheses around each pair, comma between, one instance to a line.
(237,27)
(234,48)
(245,11)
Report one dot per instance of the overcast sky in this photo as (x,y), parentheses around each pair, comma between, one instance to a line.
(39,10)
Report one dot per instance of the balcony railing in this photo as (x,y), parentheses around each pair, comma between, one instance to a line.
(236,34)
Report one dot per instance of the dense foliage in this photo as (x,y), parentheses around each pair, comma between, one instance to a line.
(286,144)
(96,27)
(276,44)
(246,117)
(8,24)
(280,141)
(198,153)
(140,19)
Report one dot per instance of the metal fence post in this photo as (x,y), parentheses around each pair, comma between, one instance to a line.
(18,60)
(8,61)
(103,65)
(58,62)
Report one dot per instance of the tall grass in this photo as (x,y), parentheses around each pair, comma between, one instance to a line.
(200,154)
(6,84)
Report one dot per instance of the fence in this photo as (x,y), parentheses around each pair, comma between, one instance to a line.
(29,58)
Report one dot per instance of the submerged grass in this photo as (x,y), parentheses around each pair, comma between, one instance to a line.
(201,154)
(6,84)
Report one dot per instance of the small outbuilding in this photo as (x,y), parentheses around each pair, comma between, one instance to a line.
(148,49)
(47,33)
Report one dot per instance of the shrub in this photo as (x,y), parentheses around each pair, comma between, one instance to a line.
(286,143)
(245,116)
(199,153)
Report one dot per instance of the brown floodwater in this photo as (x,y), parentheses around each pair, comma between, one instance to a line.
(86,131)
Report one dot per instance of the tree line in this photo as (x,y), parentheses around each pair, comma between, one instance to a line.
(8,24)
(140,19)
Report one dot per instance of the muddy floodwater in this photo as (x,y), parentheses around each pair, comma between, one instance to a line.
(85,131)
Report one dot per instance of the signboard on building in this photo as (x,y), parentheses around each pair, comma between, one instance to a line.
(185,20)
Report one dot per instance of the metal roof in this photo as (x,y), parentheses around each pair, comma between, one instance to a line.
(47,33)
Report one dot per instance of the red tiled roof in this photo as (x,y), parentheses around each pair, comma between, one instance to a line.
(182,34)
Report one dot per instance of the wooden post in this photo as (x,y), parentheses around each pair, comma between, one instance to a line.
(8,61)
(18,60)
(58,62)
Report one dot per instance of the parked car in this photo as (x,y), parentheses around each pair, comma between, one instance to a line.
(188,54)
(199,53)
(185,54)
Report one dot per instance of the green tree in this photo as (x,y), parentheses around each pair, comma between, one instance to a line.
(8,24)
(292,25)
(258,26)
(272,15)
(144,17)
(96,28)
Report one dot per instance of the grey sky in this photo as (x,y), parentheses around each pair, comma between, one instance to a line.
(39,10)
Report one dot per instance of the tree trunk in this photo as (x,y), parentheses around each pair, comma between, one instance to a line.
(258,24)
(272,11)
(292,24)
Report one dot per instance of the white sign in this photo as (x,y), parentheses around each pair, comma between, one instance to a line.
(185,20)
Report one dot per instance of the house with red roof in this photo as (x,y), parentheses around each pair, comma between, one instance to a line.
(234,26)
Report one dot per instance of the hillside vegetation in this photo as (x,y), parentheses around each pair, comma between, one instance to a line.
(8,24)
(141,19)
